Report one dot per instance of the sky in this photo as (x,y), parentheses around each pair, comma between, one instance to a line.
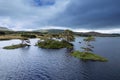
(77,15)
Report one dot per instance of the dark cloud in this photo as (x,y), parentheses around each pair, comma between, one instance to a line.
(90,14)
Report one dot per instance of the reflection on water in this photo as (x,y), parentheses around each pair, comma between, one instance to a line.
(33,63)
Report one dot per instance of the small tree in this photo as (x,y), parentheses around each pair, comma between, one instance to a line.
(25,39)
(2,33)
(68,35)
(88,47)
(46,37)
(28,35)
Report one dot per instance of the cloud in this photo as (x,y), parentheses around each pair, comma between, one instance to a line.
(91,14)
(115,30)
(24,15)
(73,14)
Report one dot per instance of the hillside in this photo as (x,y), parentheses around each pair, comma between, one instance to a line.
(79,33)
(4,29)
(96,34)
(50,30)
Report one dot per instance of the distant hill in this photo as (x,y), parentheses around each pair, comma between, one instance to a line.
(55,31)
(4,29)
(50,30)
(78,33)
(96,34)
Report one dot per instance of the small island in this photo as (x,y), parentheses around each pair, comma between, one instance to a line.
(16,46)
(58,41)
(54,44)
(88,56)
(25,42)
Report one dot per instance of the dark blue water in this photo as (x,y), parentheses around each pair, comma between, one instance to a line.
(34,63)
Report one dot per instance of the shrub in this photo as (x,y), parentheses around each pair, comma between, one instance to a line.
(29,35)
(2,33)
(54,44)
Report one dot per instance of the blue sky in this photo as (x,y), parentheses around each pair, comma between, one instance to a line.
(78,15)
(40,3)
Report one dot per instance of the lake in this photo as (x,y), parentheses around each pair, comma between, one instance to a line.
(33,63)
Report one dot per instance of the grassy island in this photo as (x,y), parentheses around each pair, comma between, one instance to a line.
(88,56)
(57,41)
(54,44)
(16,46)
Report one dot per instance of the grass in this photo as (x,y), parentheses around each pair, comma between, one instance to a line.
(18,36)
(15,46)
(8,37)
(53,44)
(88,56)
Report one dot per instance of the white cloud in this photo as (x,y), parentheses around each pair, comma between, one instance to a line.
(116,30)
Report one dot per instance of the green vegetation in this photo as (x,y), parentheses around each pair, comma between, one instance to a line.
(67,35)
(53,44)
(16,46)
(57,41)
(88,56)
